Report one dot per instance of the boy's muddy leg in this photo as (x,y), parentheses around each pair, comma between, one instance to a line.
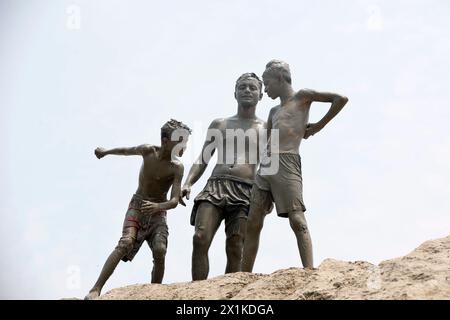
(255,224)
(124,246)
(207,222)
(159,249)
(235,244)
(298,224)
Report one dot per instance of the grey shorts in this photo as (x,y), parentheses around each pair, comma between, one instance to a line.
(231,195)
(150,228)
(285,188)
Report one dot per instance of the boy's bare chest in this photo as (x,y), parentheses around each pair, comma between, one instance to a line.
(157,171)
(238,129)
(290,115)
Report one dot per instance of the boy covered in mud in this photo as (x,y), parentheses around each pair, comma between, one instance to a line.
(285,187)
(145,219)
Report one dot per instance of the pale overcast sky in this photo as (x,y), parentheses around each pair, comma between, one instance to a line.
(79,74)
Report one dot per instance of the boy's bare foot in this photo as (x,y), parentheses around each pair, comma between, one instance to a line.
(93,294)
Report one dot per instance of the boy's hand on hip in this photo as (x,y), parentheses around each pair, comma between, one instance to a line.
(312,129)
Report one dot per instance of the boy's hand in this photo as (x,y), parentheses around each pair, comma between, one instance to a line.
(312,129)
(149,207)
(181,201)
(100,152)
(185,192)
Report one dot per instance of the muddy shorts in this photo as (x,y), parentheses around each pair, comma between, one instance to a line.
(231,195)
(148,226)
(285,187)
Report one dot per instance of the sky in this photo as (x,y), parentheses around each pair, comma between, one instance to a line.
(75,75)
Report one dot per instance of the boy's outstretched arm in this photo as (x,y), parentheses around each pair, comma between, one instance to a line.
(152,207)
(337,103)
(141,150)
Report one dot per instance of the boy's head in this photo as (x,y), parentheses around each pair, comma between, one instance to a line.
(175,134)
(276,76)
(248,89)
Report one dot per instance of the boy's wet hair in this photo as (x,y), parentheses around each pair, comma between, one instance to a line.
(281,68)
(171,126)
(249,75)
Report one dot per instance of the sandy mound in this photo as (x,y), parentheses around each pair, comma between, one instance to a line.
(422,274)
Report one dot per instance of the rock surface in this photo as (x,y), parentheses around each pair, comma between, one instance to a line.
(422,274)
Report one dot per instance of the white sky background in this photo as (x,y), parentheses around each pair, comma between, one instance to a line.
(375,179)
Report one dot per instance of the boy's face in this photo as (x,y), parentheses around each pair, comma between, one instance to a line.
(272,84)
(183,144)
(247,92)
(177,146)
